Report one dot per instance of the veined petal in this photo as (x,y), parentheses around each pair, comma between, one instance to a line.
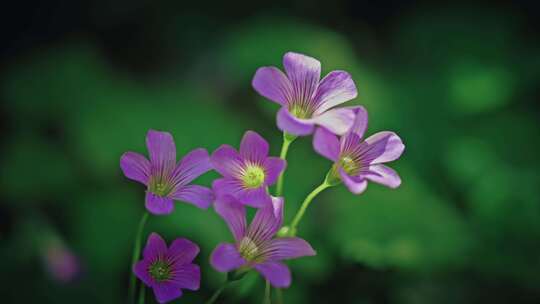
(257,197)
(234,215)
(135,167)
(383,147)
(253,147)
(304,73)
(288,123)
(273,84)
(336,88)
(182,251)
(199,196)
(191,166)
(227,161)
(326,144)
(140,269)
(166,291)
(266,222)
(273,167)
(360,123)
(162,152)
(226,258)
(155,247)
(287,248)
(157,204)
(186,276)
(355,184)
(278,274)
(383,175)
(337,121)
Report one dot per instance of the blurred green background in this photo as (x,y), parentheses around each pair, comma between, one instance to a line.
(81,83)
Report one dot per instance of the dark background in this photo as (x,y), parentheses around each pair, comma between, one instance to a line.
(82,82)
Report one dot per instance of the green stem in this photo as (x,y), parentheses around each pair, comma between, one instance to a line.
(305,205)
(135,256)
(279,296)
(287,140)
(142,289)
(217,293)
(267,299)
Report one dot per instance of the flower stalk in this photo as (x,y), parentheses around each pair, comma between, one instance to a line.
(136,254)
(287,140)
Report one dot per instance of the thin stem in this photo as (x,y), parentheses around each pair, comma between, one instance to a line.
(136,254)
(305,205)
(279,296)
(267,299)
(287,140)
(142,289)
(217,293)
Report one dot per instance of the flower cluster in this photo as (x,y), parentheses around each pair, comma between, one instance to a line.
(309,105)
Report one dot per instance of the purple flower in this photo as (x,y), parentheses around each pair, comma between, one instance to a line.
(168,270)
(164,178)
(254,245)
(61,263)
(246,175)
(355,160)
(306,100)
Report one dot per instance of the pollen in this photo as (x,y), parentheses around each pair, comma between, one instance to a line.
(160,270)
(349,165)
(160,188)
(300,112)
(253,176)
(248,249)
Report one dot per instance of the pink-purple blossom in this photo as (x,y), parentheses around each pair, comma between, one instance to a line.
(168,270)
(255,246)
(355,160)
(247,173)
(306,100)
(165,179)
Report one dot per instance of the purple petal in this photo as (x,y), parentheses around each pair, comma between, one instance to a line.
(187,276)
(337,121)
(336,88)
(326,144)
(267,221)
(135,167)
(191,166)
(360,122)
(227,161)
(199,196)
(226,258)
(287,248)
(383,175)
(273,167)
(288,123)
(272,83)
(383,147)
(167,291)
(257,198)
(141,271)
(162,152)
(182,251)
(355,184)
(253,147)
(278,274)
(226,186)
(234,215)
(304,74)
(157,204)
(155,247)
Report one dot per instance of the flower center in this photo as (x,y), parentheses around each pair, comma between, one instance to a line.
(248,249)
(160,188)
(160,270)
(300,112)
(253,177)
(349,165)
